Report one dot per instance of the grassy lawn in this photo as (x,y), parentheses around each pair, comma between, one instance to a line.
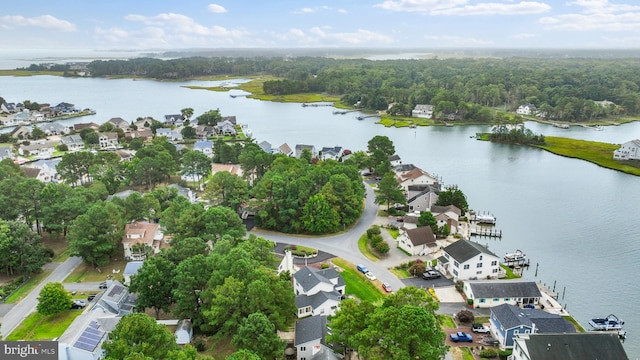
(394,233)
(40,327)
(29,73)
(595,152)
(358,285)
(481,319)
(510,273)
(27,287)
(576,324)
(447,322)
(59,246)
(216,347)
(85,273)
(365,250)
(467,354)
(400,273)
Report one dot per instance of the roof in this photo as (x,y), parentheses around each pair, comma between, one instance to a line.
(309,277)
(317,299)
(203,144)
(285,148)
(71,139)
(310,329)
(140,232)
(122,194)
(394,157)
(31,172)
(184,325)
(117,121)
(444,209)
(511,316)
(578,346)
(463,250)
(414,174)
(421,235)
(485,289)
(132,267)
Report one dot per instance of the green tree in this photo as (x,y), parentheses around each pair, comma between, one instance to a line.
(74,167)
(183,219)
(37,133)
(426,219)
(347,323)
(211,118)
(136,143)
(139,333)
(187,113)
(188,132)
(184,248)
(243,354)
(191,277)
(258,335)
(220,221)
(389,191)
(382,143)
(254,162)
(53,299)
(196,164)
(21,251)
(319,217)
(453,197)
(227,189)
(95,236)
(154,284)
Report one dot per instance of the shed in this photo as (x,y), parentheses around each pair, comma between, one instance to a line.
(184,332)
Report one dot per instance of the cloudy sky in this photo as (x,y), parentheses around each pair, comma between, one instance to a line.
(173,24)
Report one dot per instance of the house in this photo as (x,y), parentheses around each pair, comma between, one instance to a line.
(310,339)
(526,109)
(6,152)
(184,332)
(9,108)
(301,147)
(507,321)
(489,293)
(422,111)
(122,194)
(170,134)
(628,151)
(48,169)
(125,155)
(173,120)
(333,153)
(42,149)
(119,123)
(21,118)
(108,140)
(141,239)
(583,346)
(185,192)
(403,169)
(231,119)
(116,299)
(416,176)
(204,146)
(142,133)
(53,128)
(37,174)
(266,147)
(204,131)
(605,103)
(83,339)
(283,149)
(21,132)
(465,259)
(395,160)
(79,126)
(321,303)
(310,281)
(231,168)
(447,215)
(225,128)
(418,241)
(73,142)
(422,197)
(131,269)
(65,108)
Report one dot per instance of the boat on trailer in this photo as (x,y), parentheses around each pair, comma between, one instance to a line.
(610,322)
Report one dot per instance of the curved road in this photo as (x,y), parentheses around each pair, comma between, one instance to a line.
(345,245)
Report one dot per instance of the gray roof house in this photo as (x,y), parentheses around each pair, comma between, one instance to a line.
(266,147)
(116,299)
(309,281)
(333,153)
(301,147)
(37,148)
(131,269)
(309,339)
(204,146)
(6,152)
(418,241)
(321,303)
(184,332)
(170,134)
(490,293)
(73,142)
(421,197)
(578,346)
(508,320)
(395,160)
(465,259)
(84,337)
(225,128)
(119,122)
(173,119)
(53,128)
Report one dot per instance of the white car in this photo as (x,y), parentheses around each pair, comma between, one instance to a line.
(370,276)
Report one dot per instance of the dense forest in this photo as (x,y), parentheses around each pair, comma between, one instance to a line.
(561,89)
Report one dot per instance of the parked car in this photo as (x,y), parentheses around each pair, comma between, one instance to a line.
(479,328)
(78,304)
(91,297)
(461,337)
(400,219)
(370,276)
(387,287)
(363,269)
(430,274)
(103,285)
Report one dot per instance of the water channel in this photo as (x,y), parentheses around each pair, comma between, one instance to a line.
(575,220)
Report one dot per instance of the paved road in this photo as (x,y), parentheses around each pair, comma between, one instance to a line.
(27,305)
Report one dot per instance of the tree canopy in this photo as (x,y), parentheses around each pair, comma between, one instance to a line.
(53,299)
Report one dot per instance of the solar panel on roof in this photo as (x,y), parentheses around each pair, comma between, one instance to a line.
(92,331)
(94,324)
(116,290)
(84,346)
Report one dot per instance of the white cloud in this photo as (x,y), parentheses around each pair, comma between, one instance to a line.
(463,8)
(524,36)
(342,11)
(361,36)
(310,10)
(44,21)
(216,9)
(596,15)
(457,40)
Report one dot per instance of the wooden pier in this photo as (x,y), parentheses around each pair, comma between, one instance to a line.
(342,112)
(235,96)
(316,105)
(362,117)
(486,232)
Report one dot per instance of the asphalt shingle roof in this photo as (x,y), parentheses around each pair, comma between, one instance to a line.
(310,329)
(463,250)
(484,289)
(578,346)
(511,316)
(309,277)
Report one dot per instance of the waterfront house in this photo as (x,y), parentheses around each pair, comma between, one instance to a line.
(119,123)
(447,215)
(108,140)
(53,128)
(418,241)
(416,176)
(489,293)
(465,259)
(507,321)
(73,142)
(422,111)
(9,108)
(526,109)
(283,149)
(225,128)
(333,153)
(142,133)
(301,147)
(39,174)
(171,135)
(401,169)
(141,239)
(79,126)
(266,147)
(21,132)
(422,197)
(173,120)
(628,151)
(204,146)
(231,119)
(204,131)
(395,160)
(64,108)
(6,152)
(310,339)
(42,149)
(583,346)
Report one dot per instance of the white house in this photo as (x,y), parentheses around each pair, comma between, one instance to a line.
(318,292)
(447,215)
(73,142)
(333,153)
(418,241)
(83,339)
(490,293)
(119,123)
(422,111)
(6,152)
(395,160)
(301,147)
(131,269)
(309,339)
(170,134)
(284,149)
(526,109)
(416,176)
(53,128)
(466,259)
(108,140)
(204,146)
(628,151)
(321,303)
(422,197)
(588,345)
(173,120)
(42,149)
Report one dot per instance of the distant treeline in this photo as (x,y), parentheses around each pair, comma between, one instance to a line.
(561,89)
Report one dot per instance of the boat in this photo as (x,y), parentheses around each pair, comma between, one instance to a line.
(515,257)
(413,126)
(485,218)
(597,128)
(561,126)
(610,322)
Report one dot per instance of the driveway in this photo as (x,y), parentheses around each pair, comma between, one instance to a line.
(27,305)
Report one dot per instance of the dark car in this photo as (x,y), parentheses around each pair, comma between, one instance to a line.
(431,274)
(103,285)
(78,304)
(91,297)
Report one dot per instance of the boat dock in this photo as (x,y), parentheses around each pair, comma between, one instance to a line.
(342,112)
(362,117)
(476,231)
(483,218)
